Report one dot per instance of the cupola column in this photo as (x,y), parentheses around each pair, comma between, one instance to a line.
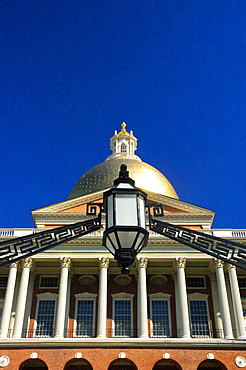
(102,297)
(182,298)
(8,301)
(223,299)
(21,300)
(142,298)
(62,298)
(237,303)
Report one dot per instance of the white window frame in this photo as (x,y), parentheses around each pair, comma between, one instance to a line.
(194,277)
(122,297)
(200,297)
(45,297)
(48,276)
(160,297)
(85,297)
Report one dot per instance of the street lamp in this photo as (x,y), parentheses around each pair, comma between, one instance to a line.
(125,234)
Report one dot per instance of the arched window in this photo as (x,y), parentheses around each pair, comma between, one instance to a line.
(123,148)
(122,364)
(167,365)
(33,364)
(78,364)
(211,364)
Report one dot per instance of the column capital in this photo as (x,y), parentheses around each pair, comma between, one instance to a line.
(27,263)
(103,262)
(229,266)
(180,262)
(14,265)
(218,263)
(142,262)
(65,262)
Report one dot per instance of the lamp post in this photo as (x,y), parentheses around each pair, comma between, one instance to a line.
(125,235)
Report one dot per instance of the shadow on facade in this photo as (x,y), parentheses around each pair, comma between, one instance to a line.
(122,364)
(78,364)
(211,364)
(167,365)
(34,364)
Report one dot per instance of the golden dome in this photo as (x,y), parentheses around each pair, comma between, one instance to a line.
(102,176)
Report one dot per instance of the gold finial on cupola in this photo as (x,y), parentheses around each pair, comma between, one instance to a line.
(123,129)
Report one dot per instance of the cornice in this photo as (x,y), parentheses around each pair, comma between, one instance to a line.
(172,343)
(68,203)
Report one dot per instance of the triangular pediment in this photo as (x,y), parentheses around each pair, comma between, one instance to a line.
(74,210)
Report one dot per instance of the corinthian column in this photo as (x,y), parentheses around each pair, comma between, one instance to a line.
(182,297)
(21,300)
(62,297)
(216,304)
(8,301)
(142,298)
(102,297)
(223,299)
(237,303)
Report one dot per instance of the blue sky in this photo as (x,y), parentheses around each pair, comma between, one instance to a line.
(72,71)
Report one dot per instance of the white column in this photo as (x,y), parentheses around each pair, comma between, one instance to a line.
(182,297)
(223,299)
(237,303)
(8,300)
(62,297)
(142,298)
(216,305)
(21,300)
(102,297)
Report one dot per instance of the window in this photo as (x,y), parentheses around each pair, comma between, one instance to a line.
(123,148)
(160,317)
(122,315)
(199,319)
(242,282)
(195,282)
(49,282)
(45,315)
(3,281)
(85,318)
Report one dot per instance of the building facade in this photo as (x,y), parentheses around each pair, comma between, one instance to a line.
(70,308)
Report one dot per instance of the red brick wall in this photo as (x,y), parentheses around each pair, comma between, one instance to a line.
(101,358)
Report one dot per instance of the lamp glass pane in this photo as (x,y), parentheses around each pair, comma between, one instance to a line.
(110,211)
(142,211)
(127,238)
(123,185)
(126,210)
(109,244)
(139,242)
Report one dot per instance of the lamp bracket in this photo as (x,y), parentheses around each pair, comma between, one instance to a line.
(223,249)
(26,246)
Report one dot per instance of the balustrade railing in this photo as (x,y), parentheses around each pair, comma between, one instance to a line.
(130,333)
(223,233)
